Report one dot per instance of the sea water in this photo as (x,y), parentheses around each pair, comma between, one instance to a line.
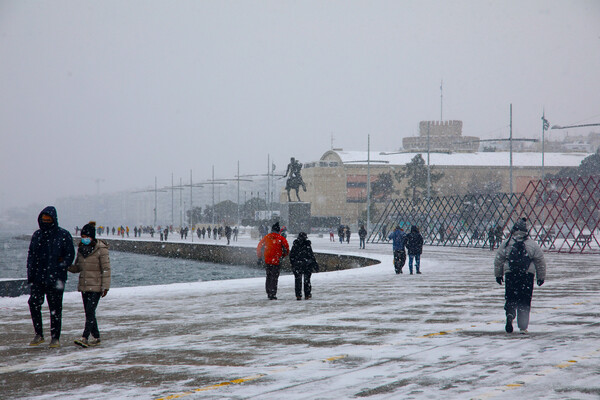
(128,269)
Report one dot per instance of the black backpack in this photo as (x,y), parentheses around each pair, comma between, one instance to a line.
(518,259)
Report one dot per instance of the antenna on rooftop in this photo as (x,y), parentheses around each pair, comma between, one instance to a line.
(441,99)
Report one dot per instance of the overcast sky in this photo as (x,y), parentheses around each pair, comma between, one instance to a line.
(128,90)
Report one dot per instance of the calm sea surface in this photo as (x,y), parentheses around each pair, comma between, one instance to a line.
(128,269)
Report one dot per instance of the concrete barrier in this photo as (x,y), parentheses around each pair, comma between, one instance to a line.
(233,255)
(13,287)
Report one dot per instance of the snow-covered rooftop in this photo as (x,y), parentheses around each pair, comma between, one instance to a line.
(483,159)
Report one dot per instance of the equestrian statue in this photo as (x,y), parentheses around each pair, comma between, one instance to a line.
(294,180)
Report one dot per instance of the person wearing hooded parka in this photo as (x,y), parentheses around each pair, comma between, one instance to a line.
(414,246)
(518,282)
(51,251)
(93,266)
(304,264)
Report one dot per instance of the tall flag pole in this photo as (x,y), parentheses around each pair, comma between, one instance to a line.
(441,100)
(545,126)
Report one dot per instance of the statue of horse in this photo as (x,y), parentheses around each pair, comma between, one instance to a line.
(294,180)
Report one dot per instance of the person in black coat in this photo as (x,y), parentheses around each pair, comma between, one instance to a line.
(362,234)
(51,252)
(414,245)
(304,264)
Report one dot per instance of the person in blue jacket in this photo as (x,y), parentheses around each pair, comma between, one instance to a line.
(398,238)
(51,252)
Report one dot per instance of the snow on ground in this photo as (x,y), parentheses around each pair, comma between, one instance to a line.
(367,333)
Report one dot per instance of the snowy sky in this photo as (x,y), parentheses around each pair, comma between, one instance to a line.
(128,90)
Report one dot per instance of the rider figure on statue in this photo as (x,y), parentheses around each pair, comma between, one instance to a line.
(294,180)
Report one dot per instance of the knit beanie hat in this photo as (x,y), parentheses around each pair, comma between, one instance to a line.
(89,230)
(520,225)
(275,227)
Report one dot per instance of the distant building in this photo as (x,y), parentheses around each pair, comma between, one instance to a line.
(440,136)
(337,183)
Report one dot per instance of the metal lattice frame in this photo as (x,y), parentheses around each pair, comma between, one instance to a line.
(564,215)
(461,221)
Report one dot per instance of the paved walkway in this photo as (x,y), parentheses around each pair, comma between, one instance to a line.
(367,333)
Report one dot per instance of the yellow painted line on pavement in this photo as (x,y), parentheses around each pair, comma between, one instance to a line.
(246,379)
(442,333)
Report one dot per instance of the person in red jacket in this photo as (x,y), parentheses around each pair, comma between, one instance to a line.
(270,250)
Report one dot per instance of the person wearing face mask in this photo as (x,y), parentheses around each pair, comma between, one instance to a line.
(51,251)
(93,265)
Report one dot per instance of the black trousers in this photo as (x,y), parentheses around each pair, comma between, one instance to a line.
(298,281)
(36,300)
(518,293)
(399,260)
(272,279)
(90,303)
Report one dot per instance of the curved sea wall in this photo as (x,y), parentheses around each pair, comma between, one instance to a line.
(223,254)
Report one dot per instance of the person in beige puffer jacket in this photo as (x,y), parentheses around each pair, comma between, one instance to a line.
(93,265)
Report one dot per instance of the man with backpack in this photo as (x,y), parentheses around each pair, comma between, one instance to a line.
(518,261)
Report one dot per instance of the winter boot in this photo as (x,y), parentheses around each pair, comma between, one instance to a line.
(54,343)
(83,342)
(94,342)
(37,340)
(509,320)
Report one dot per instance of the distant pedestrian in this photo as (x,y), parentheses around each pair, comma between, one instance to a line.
(398,238)
(166,233)
(228,233)
(518,261)
(215,231)
(331,235)
(492,237)
(270,251)
(236,231)
(51,252)
(414,246)
(93,266)
(347,232)
(362,235)
(209,230)
(204,233)
(499,234)
(341,233)
(304,264)
(113,231)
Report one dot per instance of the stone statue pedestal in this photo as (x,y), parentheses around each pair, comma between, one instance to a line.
(296,216)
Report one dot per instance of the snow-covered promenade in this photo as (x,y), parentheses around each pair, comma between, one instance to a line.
(367,333)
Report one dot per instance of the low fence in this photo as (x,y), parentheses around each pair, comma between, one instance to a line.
(564,216)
